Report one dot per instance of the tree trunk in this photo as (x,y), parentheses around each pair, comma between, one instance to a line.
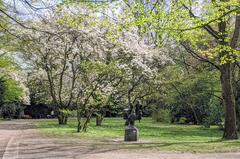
(65,120)
(236,88)
(230,131)
(196,121)
(62,119)
(99,119)
(238,112)
(79,126)
(85,125)
(238,122)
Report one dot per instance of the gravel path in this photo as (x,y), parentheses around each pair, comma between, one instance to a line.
(19,140)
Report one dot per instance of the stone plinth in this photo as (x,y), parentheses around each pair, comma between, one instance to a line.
(131,134)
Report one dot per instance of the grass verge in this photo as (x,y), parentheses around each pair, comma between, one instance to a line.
(153,136)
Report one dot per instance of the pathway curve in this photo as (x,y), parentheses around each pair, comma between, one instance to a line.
(19,140)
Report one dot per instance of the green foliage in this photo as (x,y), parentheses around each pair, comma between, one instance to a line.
(39,89)
(189,21)
(11,110)
(10,95)
(12,92)
(215,113)
(67,112)
(8,64)
(189,95)
(182,120)
(10,89)
(5,25)
(162,115)
(2,90)
(101,68)
(7,110)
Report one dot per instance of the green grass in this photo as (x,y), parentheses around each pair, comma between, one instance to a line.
(153,136)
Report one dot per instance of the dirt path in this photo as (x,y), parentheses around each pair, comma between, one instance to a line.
(19,140)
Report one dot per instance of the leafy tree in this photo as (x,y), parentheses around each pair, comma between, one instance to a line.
(11,90)
(189,95)
(208,30)
(38,88)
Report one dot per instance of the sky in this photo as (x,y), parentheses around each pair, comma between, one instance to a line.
(30,9)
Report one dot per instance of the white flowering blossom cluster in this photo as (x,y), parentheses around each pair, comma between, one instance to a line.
(81,59)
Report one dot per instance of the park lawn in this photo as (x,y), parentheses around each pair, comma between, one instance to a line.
(153,136)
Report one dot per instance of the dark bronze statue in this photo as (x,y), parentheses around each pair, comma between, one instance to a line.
(131,114)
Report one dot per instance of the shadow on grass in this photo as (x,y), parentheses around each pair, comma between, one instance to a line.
(178,146)
(63,149)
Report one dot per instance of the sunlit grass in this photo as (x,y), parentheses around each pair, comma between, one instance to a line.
(165,137)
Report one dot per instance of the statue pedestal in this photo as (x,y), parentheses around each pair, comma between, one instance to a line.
(131,134)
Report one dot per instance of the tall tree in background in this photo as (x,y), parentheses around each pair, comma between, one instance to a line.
(209,30)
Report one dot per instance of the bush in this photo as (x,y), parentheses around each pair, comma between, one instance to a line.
(182,120)
(162,115)
(221,126)
(67,112)
(11,110)
(215,113)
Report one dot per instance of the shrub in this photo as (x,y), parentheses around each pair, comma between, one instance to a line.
(182,120)
(11,110)
(215,113)
(221,126)
(67,112)
(162,115)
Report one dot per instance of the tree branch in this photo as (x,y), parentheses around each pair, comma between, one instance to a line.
(236,34)
(197,56)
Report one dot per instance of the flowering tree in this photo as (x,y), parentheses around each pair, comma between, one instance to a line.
(85,65)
